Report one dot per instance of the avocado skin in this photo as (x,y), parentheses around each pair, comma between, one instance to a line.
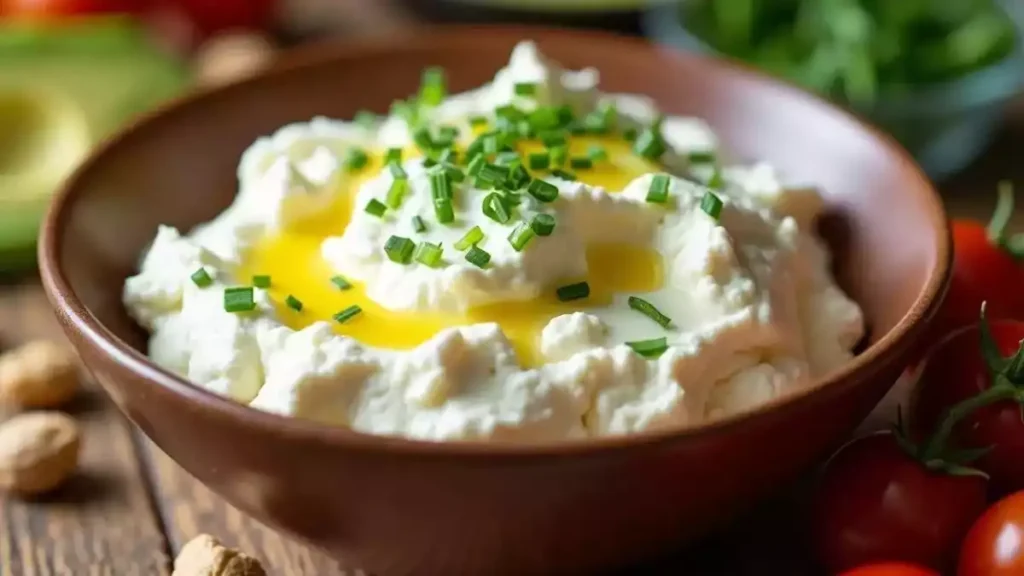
(108,69)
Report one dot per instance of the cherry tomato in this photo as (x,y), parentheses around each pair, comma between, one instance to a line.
(890,569)
(995,544)
(50,9)
(877,503)
(985,269)
(956,370)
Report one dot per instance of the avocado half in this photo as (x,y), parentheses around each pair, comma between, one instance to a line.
(63,88)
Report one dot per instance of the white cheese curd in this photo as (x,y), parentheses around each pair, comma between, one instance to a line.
(753,310)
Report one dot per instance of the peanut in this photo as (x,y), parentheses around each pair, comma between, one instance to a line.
(40,374)
(38,451)
(204,555)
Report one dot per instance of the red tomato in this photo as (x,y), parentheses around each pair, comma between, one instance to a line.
(877,503)
(48,9)
(890,569)
(956,370)
(995,544)
(983,271)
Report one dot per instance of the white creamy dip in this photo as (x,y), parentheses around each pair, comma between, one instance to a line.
(754,310)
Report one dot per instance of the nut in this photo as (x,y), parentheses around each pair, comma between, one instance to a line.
(204,555)
(230,57)
(38,451)
(40,374)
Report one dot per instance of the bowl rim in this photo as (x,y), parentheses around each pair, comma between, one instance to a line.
(76,317)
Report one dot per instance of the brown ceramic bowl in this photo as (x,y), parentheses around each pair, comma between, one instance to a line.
(398,507)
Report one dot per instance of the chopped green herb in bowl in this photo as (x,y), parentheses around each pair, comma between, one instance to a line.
(934,73)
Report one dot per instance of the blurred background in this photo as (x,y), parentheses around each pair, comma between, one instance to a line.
(942,76)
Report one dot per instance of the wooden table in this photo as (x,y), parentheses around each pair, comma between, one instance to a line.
(130,508)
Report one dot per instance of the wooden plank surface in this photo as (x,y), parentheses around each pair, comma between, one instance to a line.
(188,509)
(102,521)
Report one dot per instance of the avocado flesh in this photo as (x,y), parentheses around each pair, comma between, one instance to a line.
(61,91)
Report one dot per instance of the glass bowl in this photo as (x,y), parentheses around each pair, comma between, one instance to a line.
(945,126)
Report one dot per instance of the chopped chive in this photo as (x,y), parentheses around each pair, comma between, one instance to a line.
(525,88)
(432,86)
(649,348)
(418,225)
(440,185)
(365,118)
(597,153)
(524,129)
(518,178)
(496,208)
(293,303)
(399,249)
(575,291)
(476,164)
(423,140)
(201,278)
(396,192)
(261,281)
(406,111)
(542,190)
(717,182)
(553,138)
(447,133)
(444,210)
(470,238)
(397,172)
(649,144)
(493,173)
(539,160)
(347,314)
(521,236)
(355,159)
(476,121)
(565,114)
(702,157)
(581,163)
(448,156)
(507,158)
(543,224)
(239,299)
(594,124)
(509,112)
(375,208)
(658,190)
(428,254)
(647,309)
(490,143)
(393,156)
(711,205)
(454,173)
(478,257)
(629,134)
(564,174)
(429,162)
(544,119)
(512,197)
(558,155)
(340,282)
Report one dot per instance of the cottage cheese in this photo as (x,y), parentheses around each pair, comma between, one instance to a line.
(755,312)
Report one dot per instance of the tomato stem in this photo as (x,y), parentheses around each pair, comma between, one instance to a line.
(1000,391)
